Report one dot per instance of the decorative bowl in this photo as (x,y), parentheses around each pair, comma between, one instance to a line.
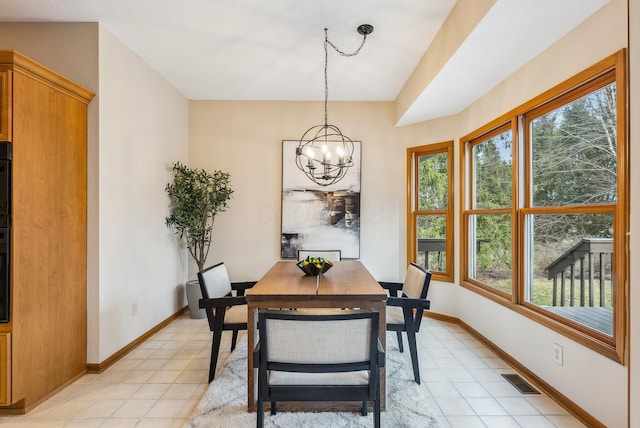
(314,266)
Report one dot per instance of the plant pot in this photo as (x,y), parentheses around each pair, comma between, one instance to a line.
(194,294)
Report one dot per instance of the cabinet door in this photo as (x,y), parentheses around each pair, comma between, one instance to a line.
(5,368)
(5,105)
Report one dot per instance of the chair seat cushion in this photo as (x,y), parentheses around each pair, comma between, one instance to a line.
(295,378)
(395,315)
(236,315)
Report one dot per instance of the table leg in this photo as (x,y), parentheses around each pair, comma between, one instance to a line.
(251,342)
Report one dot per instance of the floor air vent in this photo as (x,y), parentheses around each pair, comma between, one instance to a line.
(520,384)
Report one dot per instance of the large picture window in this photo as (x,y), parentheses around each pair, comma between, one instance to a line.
(430,209)
(545,215)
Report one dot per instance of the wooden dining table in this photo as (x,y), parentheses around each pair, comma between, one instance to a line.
(348,284)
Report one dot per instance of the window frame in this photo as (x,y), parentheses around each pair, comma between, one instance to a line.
(413,154)
(468,155)
(609,70)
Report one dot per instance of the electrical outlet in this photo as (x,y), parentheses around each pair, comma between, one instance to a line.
(134,308)
(557,354)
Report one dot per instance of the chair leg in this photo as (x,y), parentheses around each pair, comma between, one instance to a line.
(413,349)
(273,408)
(260,414)
(376,408)
(365,408)
(234,339)
(215,349)
(399,333)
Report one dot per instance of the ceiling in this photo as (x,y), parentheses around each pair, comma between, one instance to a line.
(273,50)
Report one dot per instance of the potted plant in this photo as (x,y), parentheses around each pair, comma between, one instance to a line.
(196,197)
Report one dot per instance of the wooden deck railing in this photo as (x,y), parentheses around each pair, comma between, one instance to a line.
(432,246)
(583,275)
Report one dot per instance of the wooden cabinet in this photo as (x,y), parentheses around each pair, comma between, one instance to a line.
(43,347)
(5,103)
(5,364)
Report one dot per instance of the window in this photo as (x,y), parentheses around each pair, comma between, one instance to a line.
(545,217)
(489,221)
(430,208)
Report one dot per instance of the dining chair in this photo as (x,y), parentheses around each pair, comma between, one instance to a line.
(405,306)
(300,357)
(225,311)
(332,255)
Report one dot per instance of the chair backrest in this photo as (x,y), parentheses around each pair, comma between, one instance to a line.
(214,281)
(416,282)
(332,255)
(345,337)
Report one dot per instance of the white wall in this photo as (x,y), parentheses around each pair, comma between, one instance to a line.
(245,139)
(143,129)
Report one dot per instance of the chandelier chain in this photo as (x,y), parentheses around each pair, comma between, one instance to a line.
(324,154)
(327,43)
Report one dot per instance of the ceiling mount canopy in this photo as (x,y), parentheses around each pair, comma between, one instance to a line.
(324,153)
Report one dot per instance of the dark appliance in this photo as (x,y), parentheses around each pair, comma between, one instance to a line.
(5,229)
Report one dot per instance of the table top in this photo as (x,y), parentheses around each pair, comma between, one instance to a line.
(346,280)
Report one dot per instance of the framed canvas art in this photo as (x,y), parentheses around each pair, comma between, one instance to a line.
(318,217)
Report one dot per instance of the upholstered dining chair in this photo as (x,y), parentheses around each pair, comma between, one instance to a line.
(225,311)
(405,306)
(332,255)
(300,357)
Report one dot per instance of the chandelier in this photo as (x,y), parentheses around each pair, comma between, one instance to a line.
(324,153)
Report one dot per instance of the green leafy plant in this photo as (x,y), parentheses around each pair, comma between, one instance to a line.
(196,197)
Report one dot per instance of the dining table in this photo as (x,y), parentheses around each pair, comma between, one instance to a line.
(348,284)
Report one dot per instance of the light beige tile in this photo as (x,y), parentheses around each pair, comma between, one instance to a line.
(183,391)
(197,344)
(165,376)
(92,392)
(166,409)
(517,406)
(199,364)
(122,391)
(546,405)
(565,421)
(189,408)
(500,421)
(86,423)
(193,376)
(164,353)
(177,364)
(112,376)
(179,423)
(153,363)
(155,423)
(126,364)
(189,353)
(534,422)
(101,409)
(139,376)
(140,353)
(134,409)
(485,406)
(153,344)
(68,409)
(121,423)
(151,391)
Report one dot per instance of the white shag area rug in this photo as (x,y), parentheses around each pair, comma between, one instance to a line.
(224,404)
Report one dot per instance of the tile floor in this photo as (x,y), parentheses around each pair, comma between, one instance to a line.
(159,384)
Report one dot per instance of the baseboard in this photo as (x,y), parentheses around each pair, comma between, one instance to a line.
(100,367)
(577,411)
